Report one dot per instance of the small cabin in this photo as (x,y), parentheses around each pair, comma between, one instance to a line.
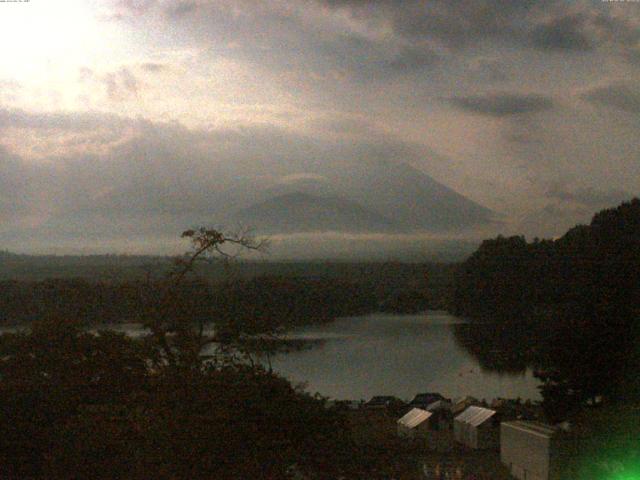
(415,424)
(442,418)
(477,428)
(432,429)
(528,449)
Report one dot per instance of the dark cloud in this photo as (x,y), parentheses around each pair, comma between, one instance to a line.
(460,24)
(365,60)
(313,48)
(547,25)
(622,96)
(287,45)
(408,60)
(456,24)
(565,33)
(584,27)
(503,104)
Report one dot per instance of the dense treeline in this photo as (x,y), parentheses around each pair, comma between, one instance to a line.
(75,404)
(100,302)
(179,403)
(301,299)
(570,307)
(132,267)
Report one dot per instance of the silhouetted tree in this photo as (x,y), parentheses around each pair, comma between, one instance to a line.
(80,404)
(572,305)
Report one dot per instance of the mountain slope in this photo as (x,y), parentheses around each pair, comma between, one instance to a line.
(303,212)
(410,197)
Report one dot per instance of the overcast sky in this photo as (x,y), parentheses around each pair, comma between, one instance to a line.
(530,108)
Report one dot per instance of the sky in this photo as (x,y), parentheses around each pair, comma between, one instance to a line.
(118,118)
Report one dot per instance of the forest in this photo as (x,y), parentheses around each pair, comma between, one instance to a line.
(180,403)
(303,292)
(570,307)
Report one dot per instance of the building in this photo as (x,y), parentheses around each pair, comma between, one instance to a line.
(442,418)
(381,402)
(423,400)
(415,424)
(528,449)
(461,404)
(439,405)
(477,428)
(428,428)
(344,405)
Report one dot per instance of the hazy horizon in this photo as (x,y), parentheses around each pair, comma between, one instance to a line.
(417,123)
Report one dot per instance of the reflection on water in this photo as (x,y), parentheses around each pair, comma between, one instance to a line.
(495,347)
(399,355)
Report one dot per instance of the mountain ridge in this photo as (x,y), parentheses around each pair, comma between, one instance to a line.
(298,212)
(372,196)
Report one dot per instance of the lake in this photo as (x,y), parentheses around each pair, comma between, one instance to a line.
(359,357)
(397,355)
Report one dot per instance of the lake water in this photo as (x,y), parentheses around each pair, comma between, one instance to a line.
(378,354)
(397,355)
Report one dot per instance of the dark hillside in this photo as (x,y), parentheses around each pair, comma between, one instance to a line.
(570,307)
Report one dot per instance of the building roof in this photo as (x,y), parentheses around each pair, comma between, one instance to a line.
(533,427)
(427,398)
(475,416)
(383,400)
(466,398)
(414,417)
(439,404)
(460,404)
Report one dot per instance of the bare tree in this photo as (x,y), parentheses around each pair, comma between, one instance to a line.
(180,340)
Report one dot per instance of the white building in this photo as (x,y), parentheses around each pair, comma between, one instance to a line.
(477,428)
(529,450)
(414,424)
